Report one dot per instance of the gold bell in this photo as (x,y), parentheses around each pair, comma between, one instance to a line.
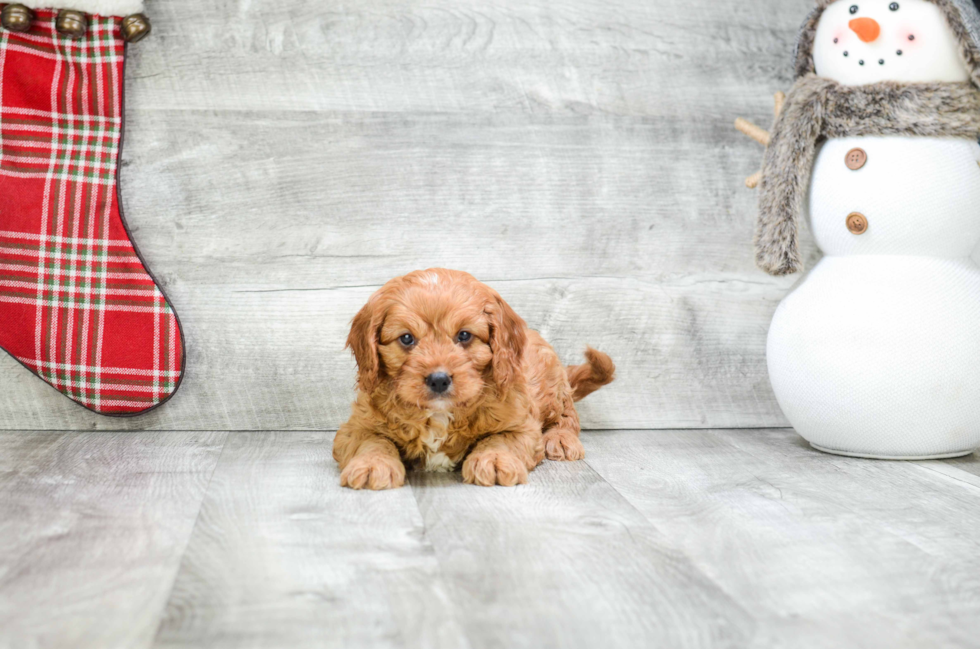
(72,24)
(16,18)
(135,28)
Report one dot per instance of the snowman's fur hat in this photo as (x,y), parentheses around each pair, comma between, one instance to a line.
(818,108)
(962,15)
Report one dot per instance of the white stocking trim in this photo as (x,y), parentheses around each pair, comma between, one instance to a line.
(94,7)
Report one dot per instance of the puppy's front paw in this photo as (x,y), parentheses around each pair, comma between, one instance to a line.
(563,445)
(493,467)
(376,472)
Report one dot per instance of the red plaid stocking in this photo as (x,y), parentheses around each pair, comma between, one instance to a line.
(77,305)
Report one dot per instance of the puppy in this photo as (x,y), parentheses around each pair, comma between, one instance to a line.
(450,375)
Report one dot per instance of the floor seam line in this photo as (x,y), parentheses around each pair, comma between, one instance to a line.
(973,482)
(435,557)
(681,550)
(190,535)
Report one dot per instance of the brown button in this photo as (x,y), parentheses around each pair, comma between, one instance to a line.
(71,23)
(856,158)
(857,223)
(17,18)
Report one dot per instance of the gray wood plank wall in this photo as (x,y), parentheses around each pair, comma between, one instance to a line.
(284,158)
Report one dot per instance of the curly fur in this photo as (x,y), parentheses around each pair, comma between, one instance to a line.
(511,401)
(818,108)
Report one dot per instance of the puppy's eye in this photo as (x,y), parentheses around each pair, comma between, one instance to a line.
(464,337)
(854,9)
(407,340)
(893,6)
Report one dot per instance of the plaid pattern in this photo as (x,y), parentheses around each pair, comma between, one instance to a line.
(77,305)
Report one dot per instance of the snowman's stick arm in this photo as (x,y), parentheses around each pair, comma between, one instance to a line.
(780,101)
(760,135)
(757,133)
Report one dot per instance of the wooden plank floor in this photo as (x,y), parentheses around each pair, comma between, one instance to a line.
(660,538)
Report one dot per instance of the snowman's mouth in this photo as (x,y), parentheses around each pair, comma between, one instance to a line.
(863,62)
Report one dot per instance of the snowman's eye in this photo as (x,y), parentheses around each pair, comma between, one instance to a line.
(893,6)
(854,9)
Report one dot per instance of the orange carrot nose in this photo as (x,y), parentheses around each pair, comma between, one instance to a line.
(867,29)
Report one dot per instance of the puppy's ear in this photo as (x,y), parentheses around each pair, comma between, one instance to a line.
(508,335)
(365,330)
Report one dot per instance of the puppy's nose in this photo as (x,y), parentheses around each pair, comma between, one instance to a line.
(438,382)
(867,29)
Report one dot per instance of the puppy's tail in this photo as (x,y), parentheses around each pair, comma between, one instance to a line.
(587,378)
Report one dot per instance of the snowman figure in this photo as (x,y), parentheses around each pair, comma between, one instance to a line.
(876,352)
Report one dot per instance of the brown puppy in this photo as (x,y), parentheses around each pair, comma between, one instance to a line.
(449,374)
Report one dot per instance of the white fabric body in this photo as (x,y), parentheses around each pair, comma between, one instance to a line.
(921,196)
(94,7)
(933,55)
(877,351)
(880,356)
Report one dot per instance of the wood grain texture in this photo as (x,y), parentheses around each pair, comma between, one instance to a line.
(566,561)
(969,464)
(283,557)
(283,159)
(92,528)
(825,551)
(683,539)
